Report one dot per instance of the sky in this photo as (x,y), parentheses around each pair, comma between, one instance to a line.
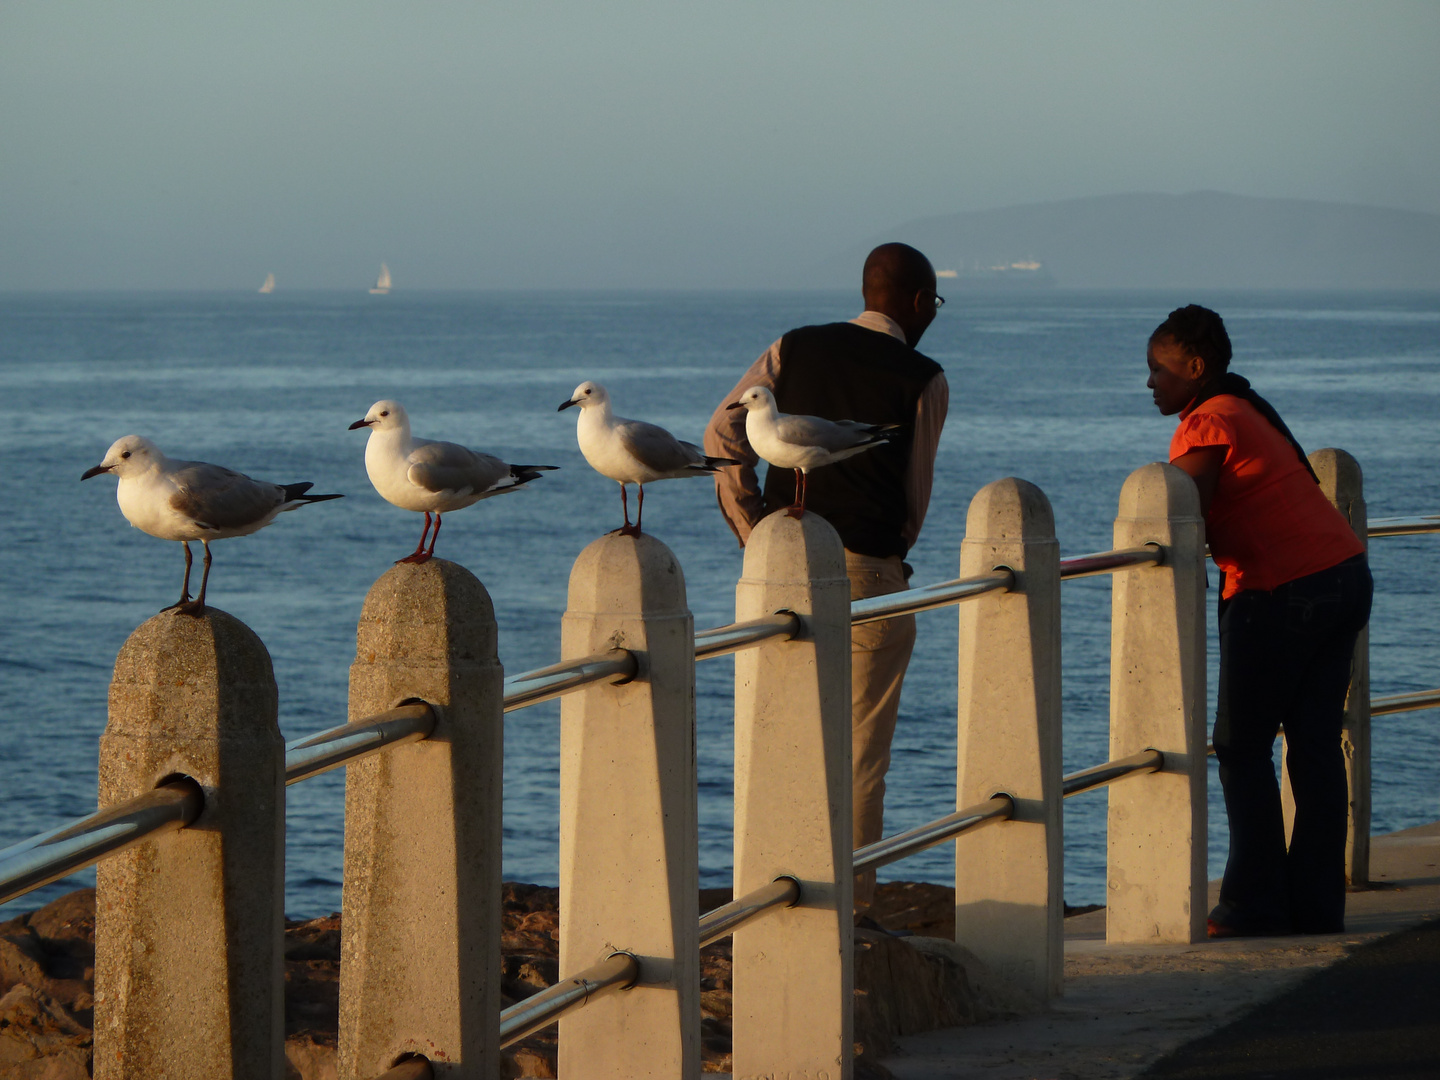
(577,145)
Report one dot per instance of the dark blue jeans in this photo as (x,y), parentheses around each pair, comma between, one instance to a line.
(1285,659)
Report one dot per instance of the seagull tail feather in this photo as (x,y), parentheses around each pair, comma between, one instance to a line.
(296,493)
(523,474)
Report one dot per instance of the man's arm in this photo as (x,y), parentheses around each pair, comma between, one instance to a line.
(738,489)
(930,413)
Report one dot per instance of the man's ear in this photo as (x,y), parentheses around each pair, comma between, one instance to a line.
(1198,368)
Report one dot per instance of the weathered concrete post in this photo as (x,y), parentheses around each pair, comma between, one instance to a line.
(189,925)
(1156,851)
(794,970)
(629,862)
(420,946)
(1008,877)
(1343,484)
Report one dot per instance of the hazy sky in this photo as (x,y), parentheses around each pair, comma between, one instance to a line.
(157,144)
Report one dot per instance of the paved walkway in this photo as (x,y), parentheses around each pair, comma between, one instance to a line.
(1127,1007)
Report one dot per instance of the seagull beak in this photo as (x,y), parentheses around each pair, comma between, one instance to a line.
(567,403)
(735,405)
(360,424)
(96,471)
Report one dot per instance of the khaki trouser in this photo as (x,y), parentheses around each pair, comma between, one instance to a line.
(879,654)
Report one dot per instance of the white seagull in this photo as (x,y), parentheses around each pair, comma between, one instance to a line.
(190,500)
(803,443)
(431,477)
(632,451)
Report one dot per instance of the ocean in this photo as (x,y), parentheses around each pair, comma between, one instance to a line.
(1048,386)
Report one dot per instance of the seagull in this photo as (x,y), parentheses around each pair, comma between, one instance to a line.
(431,477)
(803,443)
(190,500)
(632,451)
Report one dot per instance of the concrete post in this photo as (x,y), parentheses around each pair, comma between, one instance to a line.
(1156,851)
(1008,877)
(629,863)
(189,925)
(420,945)
(794,970)
(1343,484)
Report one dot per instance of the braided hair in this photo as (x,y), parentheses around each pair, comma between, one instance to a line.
(1200,332)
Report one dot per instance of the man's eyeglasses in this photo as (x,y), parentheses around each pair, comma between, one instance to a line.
(939,300)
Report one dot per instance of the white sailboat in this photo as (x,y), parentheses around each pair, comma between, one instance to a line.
(382,283)
(269,285)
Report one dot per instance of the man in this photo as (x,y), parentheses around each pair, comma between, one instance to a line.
(1296,593)
(866,369)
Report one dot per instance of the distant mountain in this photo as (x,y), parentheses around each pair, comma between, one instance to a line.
(1206,239)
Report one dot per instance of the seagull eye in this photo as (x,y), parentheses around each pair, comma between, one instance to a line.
(126,454)
(386,413)
(588,392)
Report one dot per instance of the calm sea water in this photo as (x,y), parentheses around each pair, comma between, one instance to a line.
(1049,387)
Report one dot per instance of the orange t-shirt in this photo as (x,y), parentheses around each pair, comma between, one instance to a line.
(1269,522)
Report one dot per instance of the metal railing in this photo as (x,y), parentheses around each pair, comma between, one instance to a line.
(338,746)
(1393,703)
(618,971)
(929,597)
(1098,776)
(1110,562)
(727,918)
(542,684)
(1412,525)
(723,640)
(912,841)
(61,852)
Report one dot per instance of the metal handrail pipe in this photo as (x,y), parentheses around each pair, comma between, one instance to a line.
(412,1068)
(618,971)
(542,684)
(341,745)
(1098,776)
(727,918)
(1109,562)
(722,640)
(1422,699)
(1412,525)
(929,597)
(903,845)
(61,852)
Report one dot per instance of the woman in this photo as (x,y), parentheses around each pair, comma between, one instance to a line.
(1296,593)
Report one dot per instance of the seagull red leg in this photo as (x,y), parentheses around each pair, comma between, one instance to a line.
(627,529)
(433,537)
(418,555)
(797,509)
(634,530)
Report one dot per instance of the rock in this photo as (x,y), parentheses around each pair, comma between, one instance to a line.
(307,1059)
(40,1038)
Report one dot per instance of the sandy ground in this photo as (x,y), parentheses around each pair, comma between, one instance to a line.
(1127,1006)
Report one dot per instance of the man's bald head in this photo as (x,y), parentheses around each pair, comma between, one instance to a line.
(900,282)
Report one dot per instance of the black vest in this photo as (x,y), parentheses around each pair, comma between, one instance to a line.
(845,372)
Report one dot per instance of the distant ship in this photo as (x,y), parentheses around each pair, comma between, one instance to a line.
(1023,274)
(382,283)
(269,285)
